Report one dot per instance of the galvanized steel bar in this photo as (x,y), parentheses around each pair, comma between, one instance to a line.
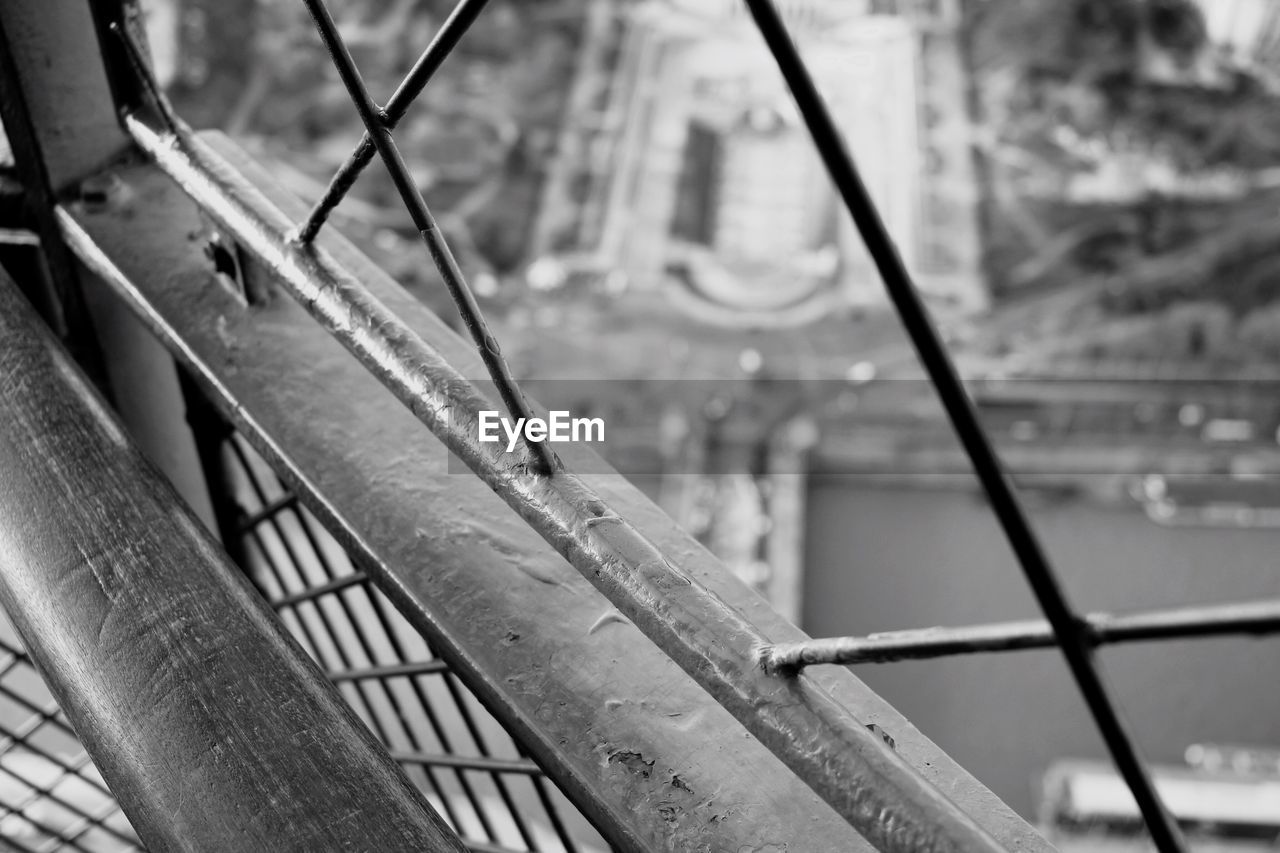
(1178,623)
(212,728)
(883,796)
(964,418)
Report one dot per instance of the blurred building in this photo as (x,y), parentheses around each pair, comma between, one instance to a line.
(1229,808)
(1249,30)
(705,185)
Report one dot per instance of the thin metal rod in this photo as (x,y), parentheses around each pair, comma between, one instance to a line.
(1178,623)
(964,418)
(144,76)
(542,787)
(463,762)
(446,39)
(375,124)
(395,670)
(485,847)
(268,511)
(876,790)
(295,598)
(210,432)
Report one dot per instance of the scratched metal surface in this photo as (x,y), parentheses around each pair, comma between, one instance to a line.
(604,704)
(848,766)
(210,725)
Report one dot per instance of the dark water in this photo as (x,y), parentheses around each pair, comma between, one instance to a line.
(887,558)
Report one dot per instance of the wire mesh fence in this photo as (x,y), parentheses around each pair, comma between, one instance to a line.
(473,772)
(51,795)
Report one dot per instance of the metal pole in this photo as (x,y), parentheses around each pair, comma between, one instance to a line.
(1257,618)
(212,727)
(964,418)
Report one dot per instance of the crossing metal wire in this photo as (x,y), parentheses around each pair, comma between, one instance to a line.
(469,768)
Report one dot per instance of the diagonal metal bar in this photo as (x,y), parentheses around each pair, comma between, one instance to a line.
(486,764)
(375,123)
(311,593)
(1068,627)
(267,512)
(1218,620)
(446,39)
(142,74)
(873,788)
(392,670)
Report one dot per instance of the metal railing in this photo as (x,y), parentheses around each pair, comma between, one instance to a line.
(673,598)
(470,769)
(847,765)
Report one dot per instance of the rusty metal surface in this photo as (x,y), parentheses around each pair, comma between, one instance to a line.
(633,741)
(212,727)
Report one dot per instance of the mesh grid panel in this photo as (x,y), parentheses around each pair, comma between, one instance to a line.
(468,767)
(51,795)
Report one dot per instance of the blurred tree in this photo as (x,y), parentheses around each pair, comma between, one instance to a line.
(255,69)
(1126,149)
(216,57)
